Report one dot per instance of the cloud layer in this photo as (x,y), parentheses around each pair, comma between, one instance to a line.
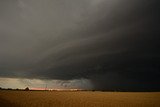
(113,43)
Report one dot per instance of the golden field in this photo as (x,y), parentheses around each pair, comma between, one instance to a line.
(78,99)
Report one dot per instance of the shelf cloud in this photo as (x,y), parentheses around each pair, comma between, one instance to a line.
(114,44)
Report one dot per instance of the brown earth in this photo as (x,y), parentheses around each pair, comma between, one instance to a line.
(78,99)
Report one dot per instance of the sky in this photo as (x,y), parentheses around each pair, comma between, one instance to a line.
(87,44)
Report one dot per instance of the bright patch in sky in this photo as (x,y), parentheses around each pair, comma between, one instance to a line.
(42,84)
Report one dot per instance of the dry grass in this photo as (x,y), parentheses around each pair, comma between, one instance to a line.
(78,99)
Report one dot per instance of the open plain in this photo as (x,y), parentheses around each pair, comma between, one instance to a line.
(78,99)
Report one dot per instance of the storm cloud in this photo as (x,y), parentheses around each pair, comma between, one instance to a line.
(112,43)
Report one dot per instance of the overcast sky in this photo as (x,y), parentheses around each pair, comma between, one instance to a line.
(90,44)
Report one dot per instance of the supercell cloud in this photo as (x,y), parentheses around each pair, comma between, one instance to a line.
(114,44)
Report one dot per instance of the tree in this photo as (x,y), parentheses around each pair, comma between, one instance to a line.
(26,89)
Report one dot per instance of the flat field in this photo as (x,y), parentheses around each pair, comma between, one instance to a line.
(78,99)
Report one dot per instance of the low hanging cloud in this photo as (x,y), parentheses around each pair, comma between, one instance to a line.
(112,43)
(22,83)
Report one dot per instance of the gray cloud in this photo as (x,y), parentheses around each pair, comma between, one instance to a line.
(43,84)
(109,42)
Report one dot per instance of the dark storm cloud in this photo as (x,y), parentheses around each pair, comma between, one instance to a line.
(113,43)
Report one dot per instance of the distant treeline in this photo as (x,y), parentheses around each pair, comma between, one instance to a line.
(27,89)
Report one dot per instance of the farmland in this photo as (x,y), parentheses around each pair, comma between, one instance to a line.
(78,99)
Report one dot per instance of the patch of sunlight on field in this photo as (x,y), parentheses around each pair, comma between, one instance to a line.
(78,99)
